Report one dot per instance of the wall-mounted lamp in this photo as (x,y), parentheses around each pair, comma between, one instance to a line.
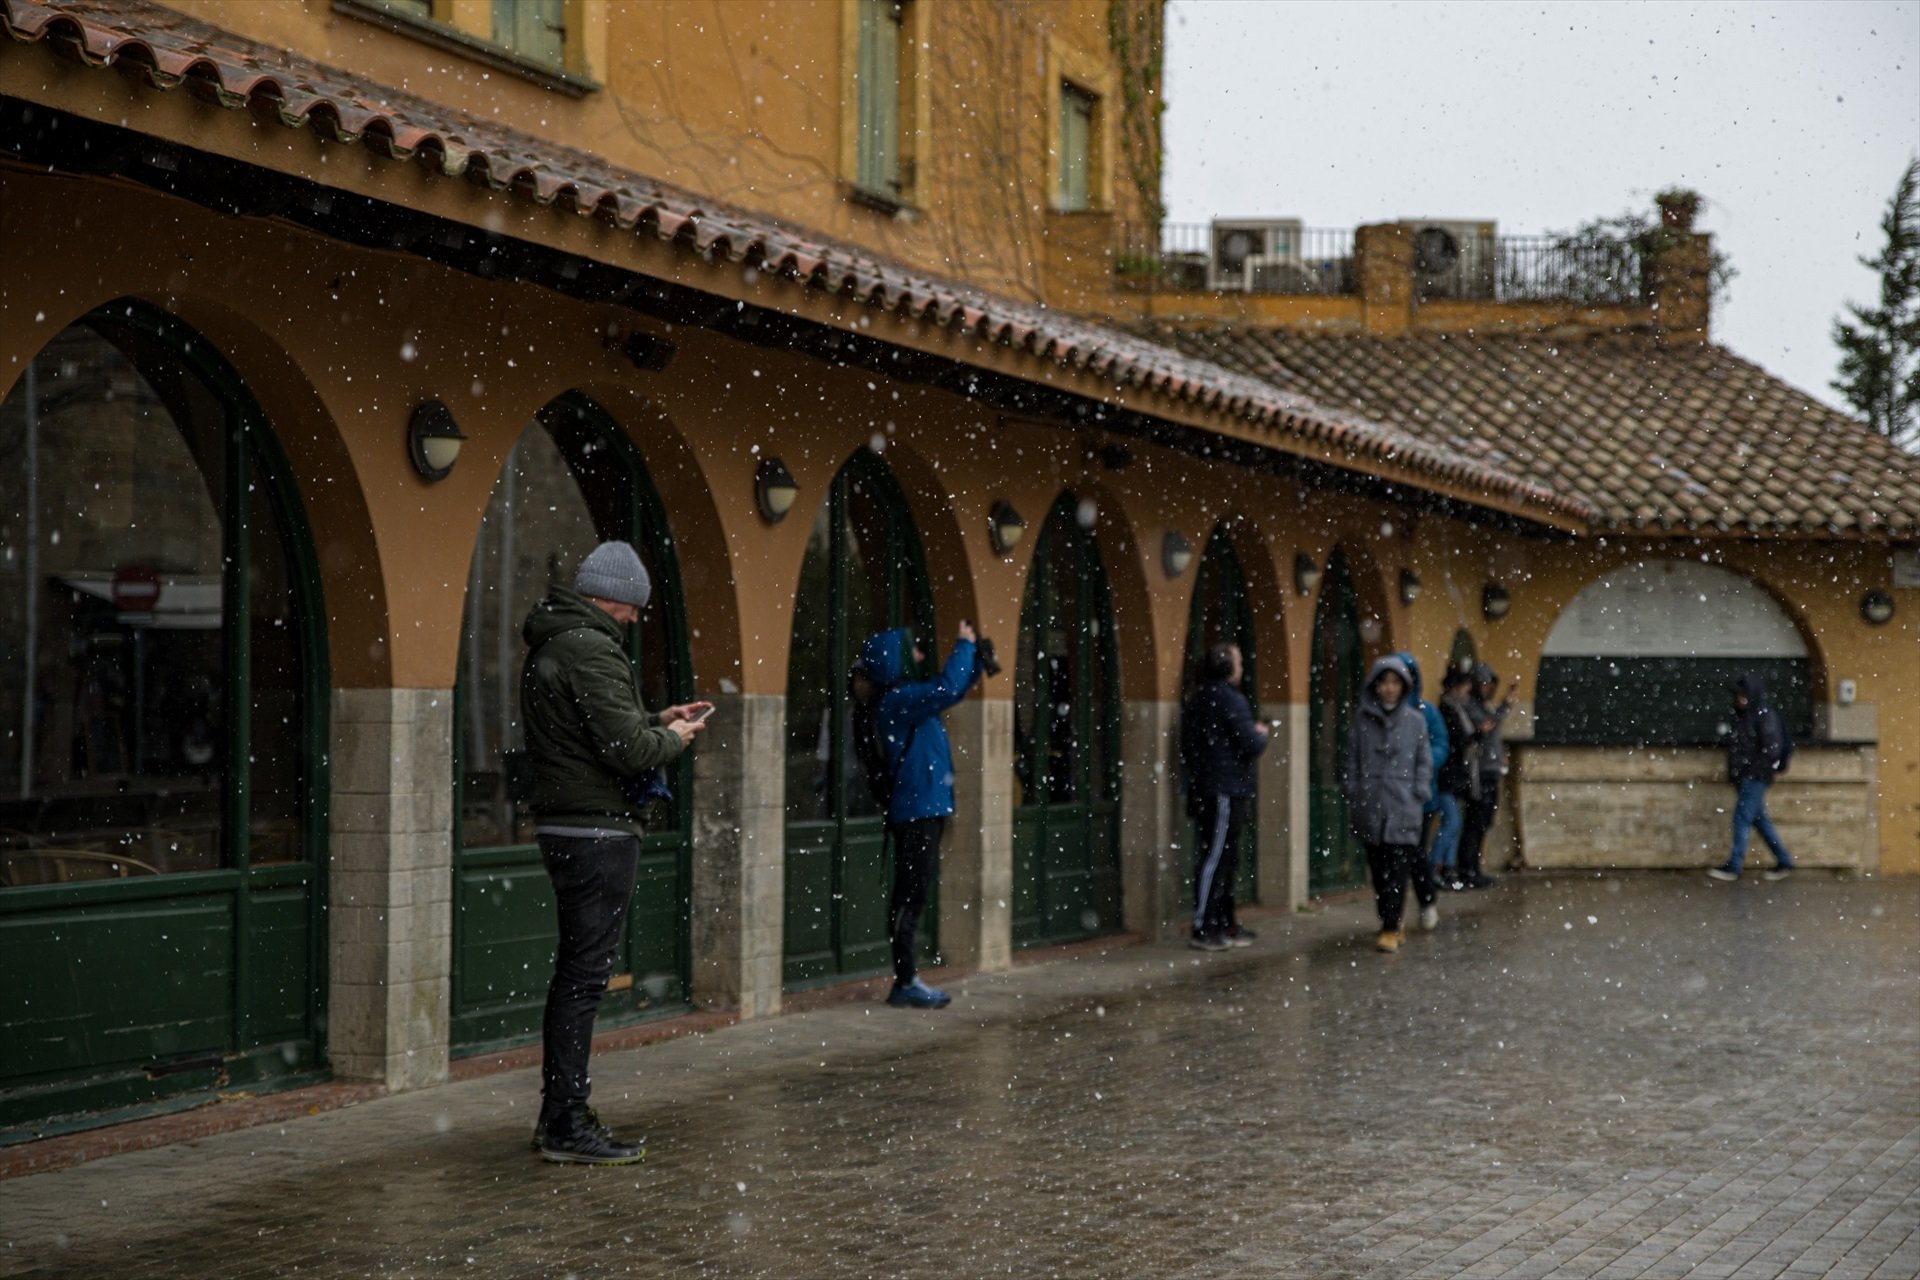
(1306,574)
(1004,528)
(1877,608)
(1494,601)
(774,488)
(433,440)
(1409,586)
(1176,553)
(644,351)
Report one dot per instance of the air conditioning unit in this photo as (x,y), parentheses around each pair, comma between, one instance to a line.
(1243,247)
(1452,258)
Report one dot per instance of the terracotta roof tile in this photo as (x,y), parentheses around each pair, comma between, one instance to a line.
(167,50)
(1650,436)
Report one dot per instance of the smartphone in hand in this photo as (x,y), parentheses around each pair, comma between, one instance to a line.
(701,718)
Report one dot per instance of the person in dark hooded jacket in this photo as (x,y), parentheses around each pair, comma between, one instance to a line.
(1388,781)
(920,764)
(1219,742)
(1756,752)
(589,741)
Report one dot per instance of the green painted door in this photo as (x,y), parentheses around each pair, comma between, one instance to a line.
(572,481)
(863,573)
(1222,612)
(1336,860)
(1066,822)
(164,758)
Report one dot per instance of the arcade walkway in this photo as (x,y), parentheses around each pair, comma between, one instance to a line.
(1641,1076)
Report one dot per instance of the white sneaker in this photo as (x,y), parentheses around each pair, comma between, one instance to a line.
(1429,918)
(1721,873)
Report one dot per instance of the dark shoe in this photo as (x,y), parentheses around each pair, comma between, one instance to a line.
(1479,881)
(1208,942)
(582,1139)
(1240,936)
(1722,873)
(917,995)
(540,1128)
(1778,873)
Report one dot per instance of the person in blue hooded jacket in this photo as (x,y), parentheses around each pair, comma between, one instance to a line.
(1437,744)
(919,762)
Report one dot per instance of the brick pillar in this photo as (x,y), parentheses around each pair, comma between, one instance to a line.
(739,855)
(976,862)
(1679,284)
(1153,854)
(1383,271)
(390,887)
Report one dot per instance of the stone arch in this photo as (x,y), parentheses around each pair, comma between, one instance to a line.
(1137,641)
(1644,652)
(1254,549)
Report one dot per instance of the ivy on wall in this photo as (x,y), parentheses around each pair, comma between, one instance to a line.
(1136,33)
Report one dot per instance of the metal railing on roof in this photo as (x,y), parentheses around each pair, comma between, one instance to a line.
(1279,256)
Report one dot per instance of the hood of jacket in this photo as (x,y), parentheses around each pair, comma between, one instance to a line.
(1394,663)
(1755,687)
(566,610)
(884,655)
(1412,675)
(1484,674)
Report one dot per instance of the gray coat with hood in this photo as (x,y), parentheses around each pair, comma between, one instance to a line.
(1389,773)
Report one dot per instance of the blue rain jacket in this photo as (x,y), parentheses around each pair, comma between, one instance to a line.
(1437,738)
(908,719)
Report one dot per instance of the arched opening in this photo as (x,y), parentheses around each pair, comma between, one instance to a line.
(1066,730)
(164,760)
(864,572)
(1222,612)
(1647,656)
(1336,861)
(572,481)
(1462,655)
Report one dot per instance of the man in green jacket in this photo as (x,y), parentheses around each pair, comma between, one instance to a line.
(590,746)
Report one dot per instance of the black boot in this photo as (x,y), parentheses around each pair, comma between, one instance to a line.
(580,1138)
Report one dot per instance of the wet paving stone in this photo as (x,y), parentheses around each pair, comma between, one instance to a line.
(1634,1076)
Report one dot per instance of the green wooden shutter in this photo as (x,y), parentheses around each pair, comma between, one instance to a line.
(879,97)
(1076,142)
(534,29)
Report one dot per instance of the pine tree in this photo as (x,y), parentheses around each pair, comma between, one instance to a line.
(1880,351)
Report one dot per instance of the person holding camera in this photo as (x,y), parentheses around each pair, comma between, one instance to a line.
(1219,741)
(903,744)
(1487,717)
(591,748)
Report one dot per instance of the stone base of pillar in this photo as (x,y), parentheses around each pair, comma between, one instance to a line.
(976,864)
(739,855)
(390,886)
(1154,858)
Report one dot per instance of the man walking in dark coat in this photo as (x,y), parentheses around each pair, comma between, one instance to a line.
(1756,753)
(1491,756)
(1388,780)
(1219,741)
(589,740)
(919,761)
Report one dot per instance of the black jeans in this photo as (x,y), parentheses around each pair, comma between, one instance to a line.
(592,888)
(916,861)
(1391,864)
(1218,821)
(1479,821)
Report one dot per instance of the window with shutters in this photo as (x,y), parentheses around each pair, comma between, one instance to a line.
(546,41)
(1078,110)
(885,101)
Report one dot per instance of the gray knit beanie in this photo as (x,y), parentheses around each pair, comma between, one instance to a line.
(612,571)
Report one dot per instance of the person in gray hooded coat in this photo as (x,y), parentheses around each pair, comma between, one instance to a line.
(1388,781)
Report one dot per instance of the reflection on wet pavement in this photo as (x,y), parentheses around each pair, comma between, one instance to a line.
(1634,1076)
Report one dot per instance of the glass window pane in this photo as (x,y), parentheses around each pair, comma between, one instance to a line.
(537,529)
(277,745)
(810,681)
(112,482)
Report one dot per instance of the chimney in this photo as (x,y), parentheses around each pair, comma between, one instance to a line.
(1383,273)
(1678,268)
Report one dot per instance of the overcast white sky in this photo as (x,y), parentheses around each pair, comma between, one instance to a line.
(1794,120)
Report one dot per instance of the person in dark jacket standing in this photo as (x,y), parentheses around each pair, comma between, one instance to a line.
(1757,752)
(1388,780)
(920,763)
(1439,745)
(589,741)
(1490,750)
(1219,741)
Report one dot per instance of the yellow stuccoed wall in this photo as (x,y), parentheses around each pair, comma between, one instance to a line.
(753,104)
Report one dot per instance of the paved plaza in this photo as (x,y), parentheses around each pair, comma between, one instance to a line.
(1635,1076)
